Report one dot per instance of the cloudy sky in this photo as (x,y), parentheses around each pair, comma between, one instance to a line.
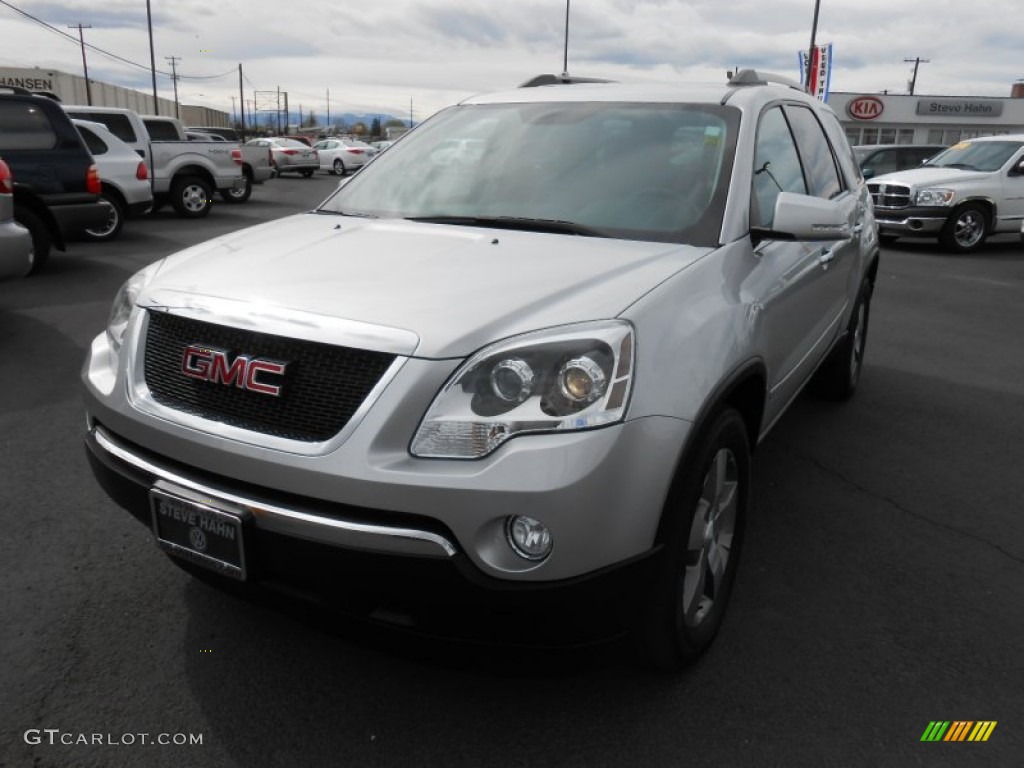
(378,56)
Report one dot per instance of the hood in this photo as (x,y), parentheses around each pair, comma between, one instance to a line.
(457,288)
(930,177)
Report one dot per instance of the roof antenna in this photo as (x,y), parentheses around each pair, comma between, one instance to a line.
(565,56)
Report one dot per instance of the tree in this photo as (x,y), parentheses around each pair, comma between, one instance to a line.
(311,120)
(359,129)
(375,127)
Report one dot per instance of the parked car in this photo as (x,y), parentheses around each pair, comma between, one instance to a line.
(877,159)
(497,395)
(341,156)
(124,177)
(183,173)
(973,189)
(15,241)
(56,183)
(289,155)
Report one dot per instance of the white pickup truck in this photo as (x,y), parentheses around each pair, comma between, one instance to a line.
(257,163)
(184,173)
(971,190)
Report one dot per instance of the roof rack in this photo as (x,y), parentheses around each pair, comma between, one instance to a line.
(753,77)
(563,79)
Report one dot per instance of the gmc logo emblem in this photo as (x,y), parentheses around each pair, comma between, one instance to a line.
(865,108)
(244,372)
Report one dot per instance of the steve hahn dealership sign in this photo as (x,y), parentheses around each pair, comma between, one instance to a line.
(872,107)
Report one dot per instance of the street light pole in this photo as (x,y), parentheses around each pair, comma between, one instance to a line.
(565,52)
(152,58)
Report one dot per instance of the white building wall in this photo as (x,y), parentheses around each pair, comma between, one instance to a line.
(71,89)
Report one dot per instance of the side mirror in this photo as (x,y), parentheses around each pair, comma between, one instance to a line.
(803,217)
(867,171)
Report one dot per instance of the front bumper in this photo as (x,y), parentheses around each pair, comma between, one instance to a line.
(394,568)
(911,222)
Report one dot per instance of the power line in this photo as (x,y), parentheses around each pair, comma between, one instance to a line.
(105,52)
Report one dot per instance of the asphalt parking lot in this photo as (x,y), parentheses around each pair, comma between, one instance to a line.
(882,586)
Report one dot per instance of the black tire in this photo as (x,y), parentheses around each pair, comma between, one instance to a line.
(308,174)
(966,229)
(339,167)
(115,220)
(838,376)
(230,195)
(42,240)
(705,514)
(191,197)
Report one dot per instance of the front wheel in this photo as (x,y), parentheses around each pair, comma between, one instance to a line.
(966,229)
(307,174)
(191,197)
(705,516)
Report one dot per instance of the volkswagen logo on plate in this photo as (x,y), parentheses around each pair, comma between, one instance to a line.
(197,539)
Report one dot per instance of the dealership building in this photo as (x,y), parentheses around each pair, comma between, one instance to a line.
(873,118)
(71,89)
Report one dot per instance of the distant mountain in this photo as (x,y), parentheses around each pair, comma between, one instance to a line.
(349,119)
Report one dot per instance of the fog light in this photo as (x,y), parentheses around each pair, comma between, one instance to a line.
(528,537)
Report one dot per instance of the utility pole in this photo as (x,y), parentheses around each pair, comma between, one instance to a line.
(234,117)
(279,110)
(85,67)
(918,61)
(287,114)
(152,58)
(174,76)
(329,111)
(241,99)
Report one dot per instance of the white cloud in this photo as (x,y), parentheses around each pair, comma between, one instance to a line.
(378,56)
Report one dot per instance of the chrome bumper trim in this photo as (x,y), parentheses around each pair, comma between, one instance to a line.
(295,522)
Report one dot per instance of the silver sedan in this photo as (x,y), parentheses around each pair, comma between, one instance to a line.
(289,155)
(343,155)
(16,253)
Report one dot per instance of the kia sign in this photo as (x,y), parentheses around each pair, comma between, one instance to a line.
(865,108)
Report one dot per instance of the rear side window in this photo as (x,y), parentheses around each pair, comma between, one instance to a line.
(92,141)
(119,125)
(161,130)
(819,162)
(23,125)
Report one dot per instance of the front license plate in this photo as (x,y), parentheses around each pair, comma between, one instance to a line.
(198,533)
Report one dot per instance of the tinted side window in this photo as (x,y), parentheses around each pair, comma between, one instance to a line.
(161,130)
(119,125)
(819,162)
(776,167)
(92,141)
(25,126)
(884,161)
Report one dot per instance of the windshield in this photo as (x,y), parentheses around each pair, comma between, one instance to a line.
(637,171)
(976,155)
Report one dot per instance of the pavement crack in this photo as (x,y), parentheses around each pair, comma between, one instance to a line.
(900,508)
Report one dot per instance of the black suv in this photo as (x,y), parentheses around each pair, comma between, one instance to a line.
(57,186)
(876,159)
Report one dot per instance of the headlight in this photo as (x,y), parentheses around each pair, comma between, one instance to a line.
(934,196)
(568,378)
(124,302)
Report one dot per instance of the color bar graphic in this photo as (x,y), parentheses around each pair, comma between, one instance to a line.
(958,730)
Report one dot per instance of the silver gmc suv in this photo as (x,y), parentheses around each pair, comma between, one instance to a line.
(512,391)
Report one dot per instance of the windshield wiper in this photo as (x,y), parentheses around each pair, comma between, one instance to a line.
(962,166)
(556,226)
(325,212)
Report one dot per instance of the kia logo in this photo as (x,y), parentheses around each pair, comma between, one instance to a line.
(208,364)
(865,108)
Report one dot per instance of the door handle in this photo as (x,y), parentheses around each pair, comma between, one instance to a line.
(826,257)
